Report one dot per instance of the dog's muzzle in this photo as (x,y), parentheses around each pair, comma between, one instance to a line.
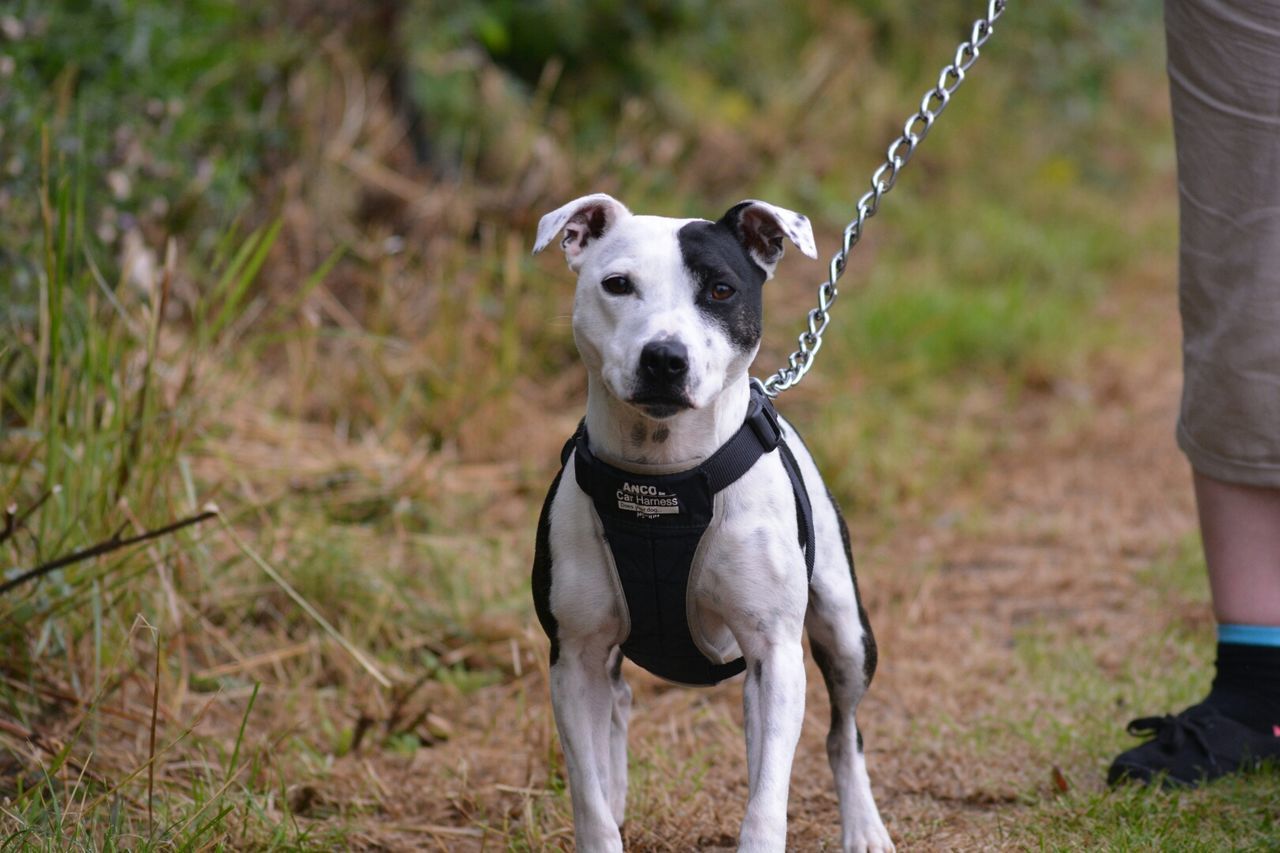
(663,373)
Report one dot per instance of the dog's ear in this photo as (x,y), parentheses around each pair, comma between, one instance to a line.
(582,220)
(760,227)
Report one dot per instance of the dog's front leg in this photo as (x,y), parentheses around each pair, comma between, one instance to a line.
(618,737)
(582,696)
(773,706)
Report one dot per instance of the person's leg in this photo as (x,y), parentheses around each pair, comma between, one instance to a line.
(1224,76)
(1238,723)
(1240,526)
(1224,72)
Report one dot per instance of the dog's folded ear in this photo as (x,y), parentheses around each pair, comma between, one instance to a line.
(760,227)
(582,220)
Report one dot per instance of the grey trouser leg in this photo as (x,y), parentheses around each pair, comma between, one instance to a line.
(1224,78)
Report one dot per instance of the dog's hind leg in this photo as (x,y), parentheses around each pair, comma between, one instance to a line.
(845,651)
(618,737)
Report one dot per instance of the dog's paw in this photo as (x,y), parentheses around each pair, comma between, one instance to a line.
(598,842)
(871,846)
(872,837)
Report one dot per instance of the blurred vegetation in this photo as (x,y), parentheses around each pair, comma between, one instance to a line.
(168,112)
(276,256)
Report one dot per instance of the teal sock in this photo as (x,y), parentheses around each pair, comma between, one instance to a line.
(1250,635)
(1246,687)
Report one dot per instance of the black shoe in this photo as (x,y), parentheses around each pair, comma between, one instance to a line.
(1198,745)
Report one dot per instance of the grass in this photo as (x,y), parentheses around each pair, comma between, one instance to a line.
(1082,735)
(235,277)
(1077,699)
(91,451)
(1236,815)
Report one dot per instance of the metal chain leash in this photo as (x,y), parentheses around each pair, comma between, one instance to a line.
(882,180)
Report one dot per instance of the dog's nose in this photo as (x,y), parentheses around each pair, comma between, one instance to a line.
(664,361)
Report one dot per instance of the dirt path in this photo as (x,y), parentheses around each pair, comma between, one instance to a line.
(1086,493)
(1086,497)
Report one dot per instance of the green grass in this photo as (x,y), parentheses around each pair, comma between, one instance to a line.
(1234,814)
(92,449)
(1074,723)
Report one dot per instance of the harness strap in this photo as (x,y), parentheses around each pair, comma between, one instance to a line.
(653,524)
(760,434)
(804,510)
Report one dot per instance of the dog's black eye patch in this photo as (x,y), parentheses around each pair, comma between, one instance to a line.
(716,260)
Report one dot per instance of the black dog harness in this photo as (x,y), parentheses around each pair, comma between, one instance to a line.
(653,524)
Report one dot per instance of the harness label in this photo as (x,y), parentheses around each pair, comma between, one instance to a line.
(646,501)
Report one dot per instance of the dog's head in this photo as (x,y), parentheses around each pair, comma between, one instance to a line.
(669,311)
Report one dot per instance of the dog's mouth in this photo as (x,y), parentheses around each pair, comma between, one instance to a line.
(661,405)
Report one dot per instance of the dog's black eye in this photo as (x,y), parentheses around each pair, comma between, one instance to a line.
(618,285)
(721,291)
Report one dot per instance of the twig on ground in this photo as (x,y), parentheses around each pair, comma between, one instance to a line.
(105,547)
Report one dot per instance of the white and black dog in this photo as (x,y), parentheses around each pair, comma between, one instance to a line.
(681,532)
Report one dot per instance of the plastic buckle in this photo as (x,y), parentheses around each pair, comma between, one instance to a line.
(764,423)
